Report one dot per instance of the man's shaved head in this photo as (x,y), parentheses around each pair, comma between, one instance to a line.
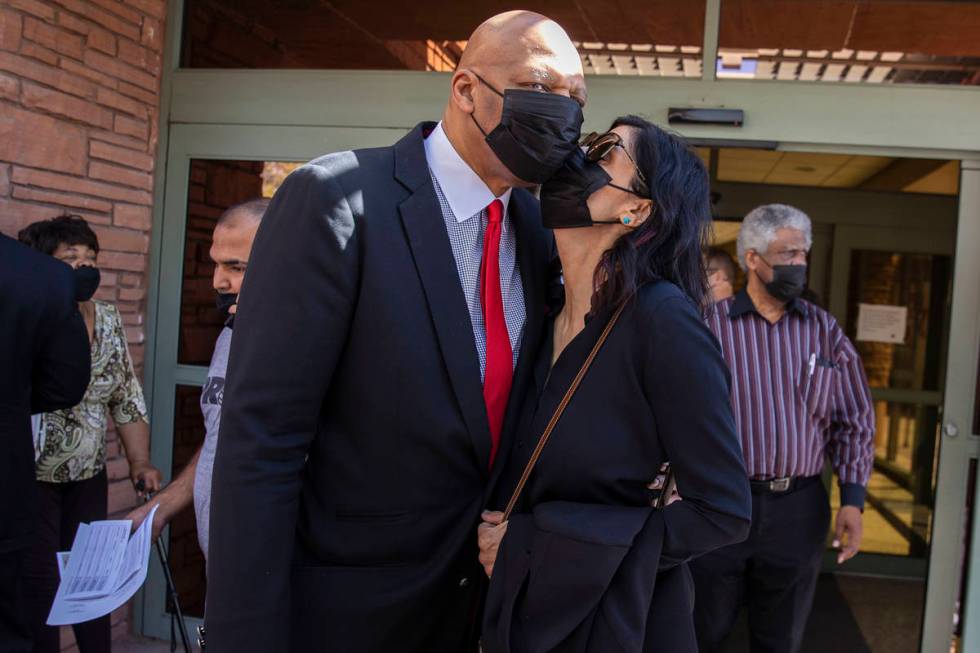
(512,50)
(231,243)
(244,212)
(517,38)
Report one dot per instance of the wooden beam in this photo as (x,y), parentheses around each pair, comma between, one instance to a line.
(900,173)
(712,15)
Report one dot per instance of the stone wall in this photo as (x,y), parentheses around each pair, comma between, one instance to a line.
(79,102)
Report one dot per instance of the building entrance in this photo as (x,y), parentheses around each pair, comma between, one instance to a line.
(230,121)
(883,247)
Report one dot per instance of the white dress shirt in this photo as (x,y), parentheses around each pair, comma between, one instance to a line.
(464,198)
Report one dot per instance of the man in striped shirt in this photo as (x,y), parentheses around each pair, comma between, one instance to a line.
(800,396)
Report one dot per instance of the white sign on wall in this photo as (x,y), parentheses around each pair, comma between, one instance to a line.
(882,323)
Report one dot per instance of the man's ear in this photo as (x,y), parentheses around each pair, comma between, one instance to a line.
(463,83)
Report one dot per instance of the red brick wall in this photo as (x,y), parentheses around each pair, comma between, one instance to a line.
(79,102)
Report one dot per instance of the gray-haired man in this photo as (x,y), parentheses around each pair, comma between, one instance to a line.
(800,396)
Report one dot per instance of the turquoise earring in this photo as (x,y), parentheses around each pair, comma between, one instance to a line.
(627,220)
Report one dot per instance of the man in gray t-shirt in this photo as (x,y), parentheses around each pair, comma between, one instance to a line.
(211,395)
(231,245)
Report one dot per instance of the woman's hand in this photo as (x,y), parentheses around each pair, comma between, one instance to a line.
(658,484)
(135,437)
(489,535)
(150,475)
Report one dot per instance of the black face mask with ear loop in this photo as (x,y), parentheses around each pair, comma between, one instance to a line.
(788,281)
(564,197)
(224,301)
(536,133)
(87,280)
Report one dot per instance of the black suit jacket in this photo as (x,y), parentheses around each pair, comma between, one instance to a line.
(353,458)
(588,565)
(44,366)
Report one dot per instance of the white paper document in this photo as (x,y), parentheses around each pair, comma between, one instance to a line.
(882,323)
(105,567)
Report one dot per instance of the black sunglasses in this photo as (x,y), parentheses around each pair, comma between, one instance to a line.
(599,146)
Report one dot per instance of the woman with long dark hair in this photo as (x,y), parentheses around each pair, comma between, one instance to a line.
(629,382)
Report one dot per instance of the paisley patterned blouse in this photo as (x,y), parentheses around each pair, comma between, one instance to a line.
(74,438)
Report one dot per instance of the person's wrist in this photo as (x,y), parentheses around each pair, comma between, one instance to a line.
(166,509)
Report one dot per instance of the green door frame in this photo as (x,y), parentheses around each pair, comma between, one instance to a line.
(960,411)
(298,114)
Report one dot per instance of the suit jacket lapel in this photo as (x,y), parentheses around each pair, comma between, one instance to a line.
(533,253)
(422,219)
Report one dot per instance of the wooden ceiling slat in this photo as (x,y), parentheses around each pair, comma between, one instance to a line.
(924,26)
(950,29)
(652,21)
(799,24)
(358,33)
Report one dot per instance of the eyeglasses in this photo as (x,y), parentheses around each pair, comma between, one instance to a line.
(599,146)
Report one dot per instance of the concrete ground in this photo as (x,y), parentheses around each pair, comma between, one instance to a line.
(856,614)
(134,644)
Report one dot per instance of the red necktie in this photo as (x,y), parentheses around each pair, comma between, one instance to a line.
(500,362)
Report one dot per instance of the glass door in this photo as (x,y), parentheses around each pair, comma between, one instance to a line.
(892,291)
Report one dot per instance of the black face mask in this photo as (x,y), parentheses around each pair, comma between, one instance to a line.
(87,281)
(224,301)
(537,132)
(564,197)
(788,281)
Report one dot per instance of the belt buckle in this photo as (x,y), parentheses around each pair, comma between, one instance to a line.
(780,484)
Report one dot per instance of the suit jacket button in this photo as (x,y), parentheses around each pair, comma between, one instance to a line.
(464,582)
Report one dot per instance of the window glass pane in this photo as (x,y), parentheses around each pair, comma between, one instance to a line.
(901,491)
(853,41)
(654,38)
(920,283)
(214,186)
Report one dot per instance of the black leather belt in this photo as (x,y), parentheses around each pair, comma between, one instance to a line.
(783,485)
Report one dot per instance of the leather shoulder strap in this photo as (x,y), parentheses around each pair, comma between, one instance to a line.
(559,410)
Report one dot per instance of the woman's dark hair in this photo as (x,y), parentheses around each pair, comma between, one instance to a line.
(668,245)
(46,235)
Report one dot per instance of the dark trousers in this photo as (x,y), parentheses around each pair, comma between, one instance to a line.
(15,630)
(774,571)
(61,508)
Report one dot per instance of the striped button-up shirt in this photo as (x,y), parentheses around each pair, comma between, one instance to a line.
(799,393)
